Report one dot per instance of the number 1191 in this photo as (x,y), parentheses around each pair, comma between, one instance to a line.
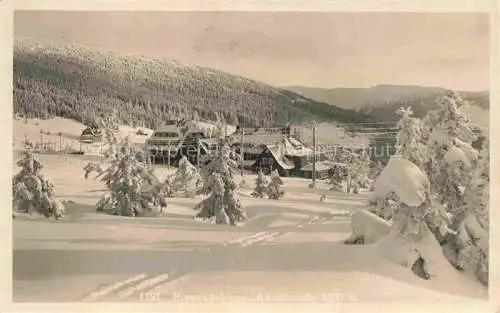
(149,297)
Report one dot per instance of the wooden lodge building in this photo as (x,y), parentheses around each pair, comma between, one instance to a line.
(265,149)
(277,149)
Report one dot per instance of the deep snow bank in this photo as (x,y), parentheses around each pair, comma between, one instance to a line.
(367,227)
(403,178)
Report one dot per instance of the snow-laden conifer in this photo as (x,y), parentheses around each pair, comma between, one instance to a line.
(133,189)
(408,189)
(449,135)
(32,192)
(220,124)
(416,222)
(261,183)
(409,142)
(109,125)
(186,180)
(222,204)
(274,189)
(471,221)
(358,170)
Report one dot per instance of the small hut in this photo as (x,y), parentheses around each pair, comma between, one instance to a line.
(91,135)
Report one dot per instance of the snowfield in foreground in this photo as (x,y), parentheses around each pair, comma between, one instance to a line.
(290,250)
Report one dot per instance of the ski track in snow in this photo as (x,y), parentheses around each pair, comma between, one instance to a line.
(143,284)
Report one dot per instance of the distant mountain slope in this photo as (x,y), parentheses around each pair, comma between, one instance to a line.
(356,98)
(382,101)
(55,79)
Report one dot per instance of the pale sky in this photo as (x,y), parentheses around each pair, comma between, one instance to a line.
(327,50)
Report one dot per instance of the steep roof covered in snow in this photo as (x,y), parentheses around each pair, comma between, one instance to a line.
(278,152)
(289,145)
(320,166)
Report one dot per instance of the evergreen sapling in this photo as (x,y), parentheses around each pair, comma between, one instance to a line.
(409,138)
(222,204)
(274,190)
(187,179)
(471,222)
(32,192)
(260,185)
(133,189)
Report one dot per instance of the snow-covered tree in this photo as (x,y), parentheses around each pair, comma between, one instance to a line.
(341,157)
(385,207)
(449,135)
(416,221)
(187,179)
(220,126)
(402,194)
(274,190)
(471,221)
(32,192)
(409,142)
(133,189)
(222,203)
(261,183)
(196,116)
(338,177)
(358,170)
(108,123)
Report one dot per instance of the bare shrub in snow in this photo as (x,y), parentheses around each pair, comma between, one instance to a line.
(92,167)
(274,190)
(357,172)
(338,177)
(32,192)
(186,180)
(260,185)
(133,189)
(223,203)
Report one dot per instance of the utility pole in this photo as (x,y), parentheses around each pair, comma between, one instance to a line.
(168,156)
(242,153)
(314,156)
(198,152)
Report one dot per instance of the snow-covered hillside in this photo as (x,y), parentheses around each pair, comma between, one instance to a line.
(65,134)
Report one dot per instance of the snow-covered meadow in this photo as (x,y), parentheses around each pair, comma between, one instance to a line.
(292,249)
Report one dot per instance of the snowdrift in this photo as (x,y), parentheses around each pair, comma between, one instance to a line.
(405,252)
(403,178)
(367,227)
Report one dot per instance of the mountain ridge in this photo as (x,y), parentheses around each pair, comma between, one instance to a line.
(75,81)
(381,101)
